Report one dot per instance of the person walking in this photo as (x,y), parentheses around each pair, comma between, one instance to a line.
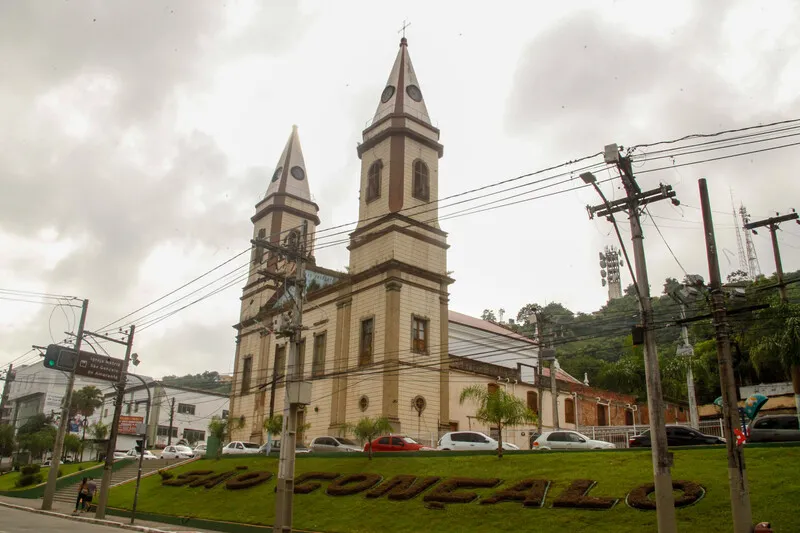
(83,493)
(91,488)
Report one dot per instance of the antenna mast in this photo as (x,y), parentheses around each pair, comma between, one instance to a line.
(752,258)
(743,265)
(610,261)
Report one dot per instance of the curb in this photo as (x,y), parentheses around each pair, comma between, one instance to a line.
(109,523)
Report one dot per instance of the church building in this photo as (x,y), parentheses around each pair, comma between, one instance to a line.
(378,340)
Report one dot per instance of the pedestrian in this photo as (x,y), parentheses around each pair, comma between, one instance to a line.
(91,487)
(83,493)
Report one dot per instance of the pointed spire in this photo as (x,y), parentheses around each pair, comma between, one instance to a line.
(402,93)
(290,172)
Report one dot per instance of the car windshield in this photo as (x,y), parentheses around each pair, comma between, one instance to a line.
(184,449)
(250,446)
(348,442)
(409,439)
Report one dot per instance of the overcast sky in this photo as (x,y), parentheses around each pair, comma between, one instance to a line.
(137,137)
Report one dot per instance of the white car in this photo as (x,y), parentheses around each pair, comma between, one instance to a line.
(134,454)
(177,452)
(239,447)
(470,440)
(200,450)
(120,455)
(569,440)
(334,444)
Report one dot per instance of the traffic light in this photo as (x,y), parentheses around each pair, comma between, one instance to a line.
(59,358)
(139,444)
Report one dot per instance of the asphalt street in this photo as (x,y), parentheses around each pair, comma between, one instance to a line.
(16,521)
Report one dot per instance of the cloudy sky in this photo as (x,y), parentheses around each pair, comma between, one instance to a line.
(137,137)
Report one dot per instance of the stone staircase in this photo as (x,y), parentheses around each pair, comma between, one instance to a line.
(69,493)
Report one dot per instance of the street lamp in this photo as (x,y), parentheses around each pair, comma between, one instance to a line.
(144,443)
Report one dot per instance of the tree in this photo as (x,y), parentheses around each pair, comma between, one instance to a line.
(98,432)
(274,425)
(368,428)
(84,403)
(6,440)
(783,345)
(737,276)
(488,315)
(498,409)
(220,429)
(72,444)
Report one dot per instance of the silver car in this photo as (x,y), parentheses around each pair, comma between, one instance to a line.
(334,444)
(774,428)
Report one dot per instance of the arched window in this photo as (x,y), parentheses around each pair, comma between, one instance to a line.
(421,181)
(374,181)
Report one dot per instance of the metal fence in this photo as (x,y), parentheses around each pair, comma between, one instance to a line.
(619,435)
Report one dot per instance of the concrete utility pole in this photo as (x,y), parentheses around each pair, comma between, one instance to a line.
(171,419)
(737,475)
(688,351)
(772,223)
(547,354)
(102,499)
(297,391)
(143,434)
(63,426)
(634,200)
(6,386)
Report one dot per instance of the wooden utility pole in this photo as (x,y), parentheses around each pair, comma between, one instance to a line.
(737,475)
(6,386)
(171,419)
(63,426)
(635,200)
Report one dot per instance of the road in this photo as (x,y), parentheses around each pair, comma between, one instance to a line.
(16,521)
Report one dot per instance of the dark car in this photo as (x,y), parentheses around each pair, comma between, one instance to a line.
(774,428)
(677,436)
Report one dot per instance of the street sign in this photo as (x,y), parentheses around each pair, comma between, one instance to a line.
(128,425)
(685,350)
(90,365)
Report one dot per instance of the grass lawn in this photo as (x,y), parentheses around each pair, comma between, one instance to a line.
(774,476)
(7,481)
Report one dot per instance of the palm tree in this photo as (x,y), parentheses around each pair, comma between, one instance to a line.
(498,408)
(98,431)
(368,428)
(274,426)
(84,403)
(220,428)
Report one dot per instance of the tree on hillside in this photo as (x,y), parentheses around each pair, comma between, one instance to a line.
(497,409)
(368,428)
(208,380)
(488,315)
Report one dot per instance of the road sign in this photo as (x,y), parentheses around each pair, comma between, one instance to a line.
(90,365)
(128,425)
(685,350)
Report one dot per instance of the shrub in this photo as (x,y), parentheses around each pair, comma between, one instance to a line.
(446,491)
(403,487)
(30,469)
(213,481)
(303,484)
(576,496)
(638,498)
(531,492)
(80,468)
(241,467)
(186,478)
(247,480)
(165,475)
(60,473)
(26,480)
(353,484)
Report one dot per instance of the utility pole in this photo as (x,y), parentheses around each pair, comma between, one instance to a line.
(772,223)
(6,386)
(688,351)
(737,475)
(63,426)
(143,434)
(297,391)
(171,418)
(636,199)
(112,439)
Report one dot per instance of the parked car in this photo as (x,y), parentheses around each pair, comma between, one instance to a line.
(177,452)
(299,447)
(470,440)
(120,455)
(397,443)
(200,450)
(677,436)
(334,444)
(239,447)
(774,428)
(568,440)
(148,455)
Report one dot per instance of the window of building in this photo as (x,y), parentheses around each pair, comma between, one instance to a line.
(258,251)
(318,363)
(628,417)
(421,181)
(602,415)
(533,401)
(301,359)
(367,334)
(569,411)
(247,371)
(194,435)
(280,365)
(128,408)
(185,409)
(163,431)
(225,414)
(492,388)
(374,181)
(105,412)
(142,403)
(419,335)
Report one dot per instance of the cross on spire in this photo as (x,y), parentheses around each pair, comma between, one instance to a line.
(406,24)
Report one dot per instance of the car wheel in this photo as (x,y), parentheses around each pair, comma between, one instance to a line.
(446,450)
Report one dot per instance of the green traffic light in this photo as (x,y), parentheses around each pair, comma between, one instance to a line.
(51,363)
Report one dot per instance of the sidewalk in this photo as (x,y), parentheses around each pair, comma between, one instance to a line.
(64,511)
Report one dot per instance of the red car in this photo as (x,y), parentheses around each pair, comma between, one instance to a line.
(396,443)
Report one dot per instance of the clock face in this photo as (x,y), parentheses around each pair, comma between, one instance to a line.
(387,93)
(277,173)
(298,173)
(414,92)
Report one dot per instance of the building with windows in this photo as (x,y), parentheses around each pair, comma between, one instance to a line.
(175,413)
(379,339)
